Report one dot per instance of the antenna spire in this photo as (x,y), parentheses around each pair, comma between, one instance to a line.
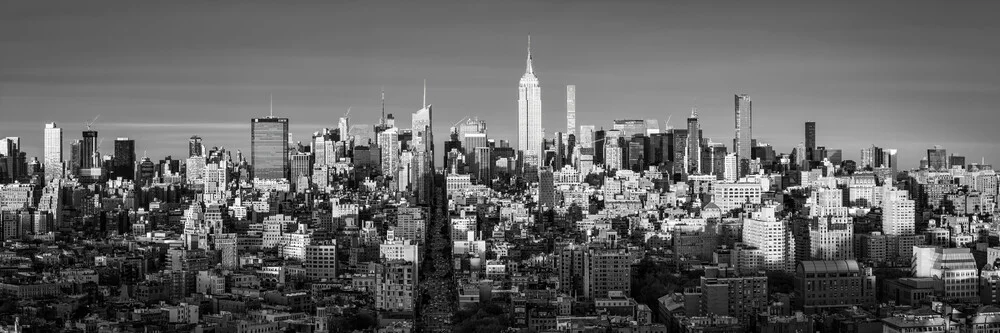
(382,120)
(529,69)
(271,101)
(425,93)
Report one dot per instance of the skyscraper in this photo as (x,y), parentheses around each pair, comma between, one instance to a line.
(937,158)
(811,141)
(571,109)
(124,160)
(586,137)
(88,151)
(53,152)
(423,153)
(692,154)
(744,132)
(268,147)
(529,111)
(195,148)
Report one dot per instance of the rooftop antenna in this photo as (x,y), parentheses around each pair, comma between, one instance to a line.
(425,93)
(271,100)
(382,120)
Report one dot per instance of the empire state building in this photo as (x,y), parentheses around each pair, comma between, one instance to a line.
(529,112)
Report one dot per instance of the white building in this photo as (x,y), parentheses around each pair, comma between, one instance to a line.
(898,213)
(529,111)
(53,152)
(764,231)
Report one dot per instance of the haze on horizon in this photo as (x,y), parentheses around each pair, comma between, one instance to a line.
(898,74)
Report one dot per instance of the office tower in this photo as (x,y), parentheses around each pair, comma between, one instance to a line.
(124,160)
(898,213)
(679,150)
(652,126)
(811,142)
(891,160)
(766,232)
(571,109)
(692,151)
(301,166)
(937,158)
(388,142)
(744,131)
(812,300)
(423,152)
(630,127)
(612,155)
(268,148)
(215,178)
(801,161)
(90,157)
(955,160)
(831,230)
(872,157)
(586,137)
(483,161)
(76,157)
(529,111)
(53,152)
(343,127)
(195,147)
(836,156)
(599,143)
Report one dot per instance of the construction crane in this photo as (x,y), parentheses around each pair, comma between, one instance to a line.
(668,122)
(91,122)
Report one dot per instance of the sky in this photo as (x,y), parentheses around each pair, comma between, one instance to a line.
(897,74)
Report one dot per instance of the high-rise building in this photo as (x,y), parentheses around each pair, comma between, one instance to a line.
(692,151)
(53,152)
(937,158)
(268,148)
(630,127)
(423,152)
(571,109)
(529,112)
(546,188)
(124,160)
(898,213)
(744,131)
(730,173)
(766,232)
(195,147)
(76,157)
(89,150)
(586,136)
(872,157)
(811,141)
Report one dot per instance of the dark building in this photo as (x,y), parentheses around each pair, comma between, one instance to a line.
(811,142)
(955,160)
(599,137)
(195,148)
(124,160)
(832,285)
(269,147)
(88,150)
(937,158)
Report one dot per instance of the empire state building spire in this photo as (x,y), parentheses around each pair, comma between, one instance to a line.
(528,69)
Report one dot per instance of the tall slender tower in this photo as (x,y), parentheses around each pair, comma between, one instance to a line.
(811,141)
(744,132)
(269,147)
(692,154)
(571,109)
(529,111)
(53,152)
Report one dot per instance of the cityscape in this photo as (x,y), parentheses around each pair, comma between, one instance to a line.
(381,219)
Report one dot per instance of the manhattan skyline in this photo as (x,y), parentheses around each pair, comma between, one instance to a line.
(911,79)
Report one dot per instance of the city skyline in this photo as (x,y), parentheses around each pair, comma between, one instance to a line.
(209,86)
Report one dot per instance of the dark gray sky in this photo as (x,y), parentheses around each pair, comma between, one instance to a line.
(900,74)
